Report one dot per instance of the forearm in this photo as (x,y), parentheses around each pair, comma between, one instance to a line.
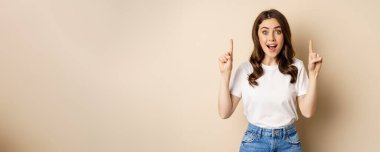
(224,102)
(310,100)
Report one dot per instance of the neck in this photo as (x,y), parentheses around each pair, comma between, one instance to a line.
(269,61)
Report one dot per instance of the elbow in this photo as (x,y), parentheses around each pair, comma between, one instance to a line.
(308,115)
(308,112)
(224,116)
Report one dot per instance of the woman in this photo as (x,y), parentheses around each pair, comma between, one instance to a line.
(270,84)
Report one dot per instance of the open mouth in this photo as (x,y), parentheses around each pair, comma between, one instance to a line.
(272,47)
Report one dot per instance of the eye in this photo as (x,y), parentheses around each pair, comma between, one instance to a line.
(278,32)
(265,32)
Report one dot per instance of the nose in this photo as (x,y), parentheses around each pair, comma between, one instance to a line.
(271,37)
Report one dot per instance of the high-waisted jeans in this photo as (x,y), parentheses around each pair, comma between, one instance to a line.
(257,139)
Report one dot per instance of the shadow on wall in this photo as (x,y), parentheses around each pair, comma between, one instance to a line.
(326,107)
(7,145)
(8,137)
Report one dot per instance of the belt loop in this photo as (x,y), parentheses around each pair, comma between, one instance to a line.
(286,132)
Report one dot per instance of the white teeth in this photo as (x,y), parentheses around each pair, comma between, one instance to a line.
(272,45)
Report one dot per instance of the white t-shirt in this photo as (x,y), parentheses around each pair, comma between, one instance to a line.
(273,103)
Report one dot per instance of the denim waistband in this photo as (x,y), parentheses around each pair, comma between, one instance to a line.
(273,132)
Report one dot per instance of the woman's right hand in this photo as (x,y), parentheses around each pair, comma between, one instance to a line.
(225,61)
(227,103)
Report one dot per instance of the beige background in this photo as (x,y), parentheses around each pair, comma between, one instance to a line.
(123,76)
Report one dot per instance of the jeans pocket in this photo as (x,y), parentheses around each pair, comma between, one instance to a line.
(249,137)
(293,138)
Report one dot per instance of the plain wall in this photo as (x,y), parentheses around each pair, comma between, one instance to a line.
(123,76)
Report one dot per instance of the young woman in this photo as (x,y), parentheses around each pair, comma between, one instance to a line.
(271,86)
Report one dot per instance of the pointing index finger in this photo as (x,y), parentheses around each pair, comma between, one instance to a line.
(231,47)
(310,46)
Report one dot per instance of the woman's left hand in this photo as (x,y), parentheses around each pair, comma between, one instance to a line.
(315,62)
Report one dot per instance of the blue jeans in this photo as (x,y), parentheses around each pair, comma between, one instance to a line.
(257,139)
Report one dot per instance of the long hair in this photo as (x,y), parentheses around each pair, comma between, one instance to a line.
(284,58)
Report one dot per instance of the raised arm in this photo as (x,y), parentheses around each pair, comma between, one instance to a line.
(227,103)
(308,103)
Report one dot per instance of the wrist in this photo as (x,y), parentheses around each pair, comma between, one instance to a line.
(226,76)
(313,76)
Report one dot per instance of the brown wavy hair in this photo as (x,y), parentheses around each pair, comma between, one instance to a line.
(284,58)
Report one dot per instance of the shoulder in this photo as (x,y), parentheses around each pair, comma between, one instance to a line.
(245,66)
(298,63)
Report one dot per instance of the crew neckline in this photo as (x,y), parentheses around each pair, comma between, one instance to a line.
(269,67)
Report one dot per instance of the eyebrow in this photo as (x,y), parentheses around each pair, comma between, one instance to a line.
(268,27)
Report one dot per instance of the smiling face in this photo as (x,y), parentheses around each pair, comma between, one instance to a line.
(270,37)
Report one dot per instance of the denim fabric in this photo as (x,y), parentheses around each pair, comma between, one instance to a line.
(257,139)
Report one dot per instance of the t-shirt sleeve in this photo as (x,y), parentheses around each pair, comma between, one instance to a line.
(240,77)
(302,83)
